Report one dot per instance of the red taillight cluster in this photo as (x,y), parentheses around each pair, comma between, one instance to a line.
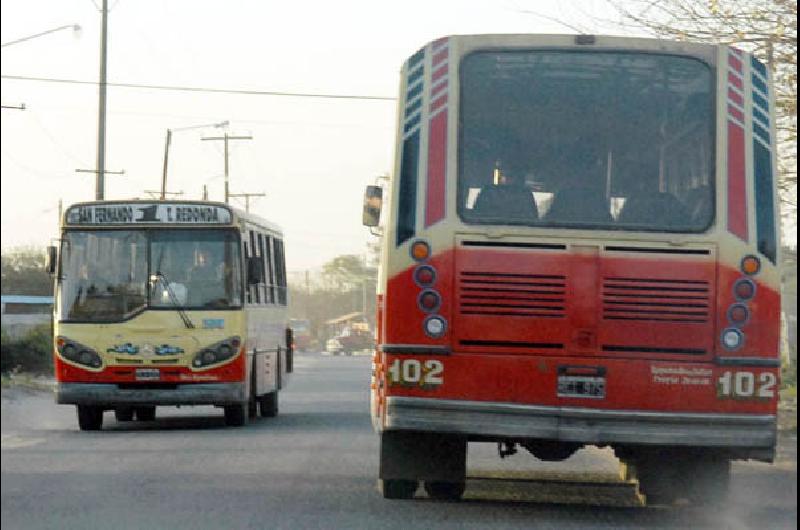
(744,290)
(429,299)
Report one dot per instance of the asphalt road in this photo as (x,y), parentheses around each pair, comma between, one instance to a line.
(315,466)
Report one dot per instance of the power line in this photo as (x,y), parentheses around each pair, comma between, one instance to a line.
(203,89)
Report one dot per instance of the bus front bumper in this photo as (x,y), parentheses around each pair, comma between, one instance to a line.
(746,435)
(106,394)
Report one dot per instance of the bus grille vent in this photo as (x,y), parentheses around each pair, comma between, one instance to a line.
(510,294)
(124,360)
(656,300)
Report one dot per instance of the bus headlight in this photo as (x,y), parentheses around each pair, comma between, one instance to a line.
(217,352)
(732,339)
(78,353)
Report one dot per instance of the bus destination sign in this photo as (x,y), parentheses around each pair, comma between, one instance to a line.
(138,213)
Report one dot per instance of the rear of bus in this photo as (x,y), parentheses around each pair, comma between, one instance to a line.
(149,311)
(580,248)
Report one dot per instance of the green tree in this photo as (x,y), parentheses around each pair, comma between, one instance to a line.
(23,272)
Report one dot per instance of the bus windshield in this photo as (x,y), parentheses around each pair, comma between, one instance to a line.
(596,140)
(111,275)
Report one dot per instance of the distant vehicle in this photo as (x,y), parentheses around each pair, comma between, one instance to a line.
(169,303)
(301,333)
(356,337)
(581,249)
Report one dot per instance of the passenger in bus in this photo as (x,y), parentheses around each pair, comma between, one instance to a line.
(508,200)
(205,284)
(581,198)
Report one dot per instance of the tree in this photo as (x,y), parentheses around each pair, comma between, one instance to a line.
(23,272)
(765,28)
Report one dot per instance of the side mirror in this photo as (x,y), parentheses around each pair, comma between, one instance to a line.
(373,201)
(52,260)
(254,271)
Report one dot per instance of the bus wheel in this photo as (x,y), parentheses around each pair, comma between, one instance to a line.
(90,418)
(145,413)
(445,491)
(236,415)
(710,482)
(123,414)
(268,404)
(399,489)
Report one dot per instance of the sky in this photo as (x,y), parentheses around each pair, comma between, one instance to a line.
(311,157)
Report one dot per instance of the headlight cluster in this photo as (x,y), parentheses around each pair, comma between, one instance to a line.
(216,353)
(78,353)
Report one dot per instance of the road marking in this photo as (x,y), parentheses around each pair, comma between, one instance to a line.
(12,441)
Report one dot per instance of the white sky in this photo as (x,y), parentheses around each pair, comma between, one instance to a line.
(312,157)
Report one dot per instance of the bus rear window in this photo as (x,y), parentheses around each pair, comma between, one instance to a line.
(597,140)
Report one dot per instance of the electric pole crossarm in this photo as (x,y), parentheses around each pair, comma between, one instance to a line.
(226,138)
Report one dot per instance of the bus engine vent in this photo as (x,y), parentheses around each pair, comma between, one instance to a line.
(656,300)
(511,294)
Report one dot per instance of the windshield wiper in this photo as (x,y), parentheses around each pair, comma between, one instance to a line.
(174,299)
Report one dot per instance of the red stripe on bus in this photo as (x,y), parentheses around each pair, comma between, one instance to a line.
(437,160)
(438,74)
(735,80)
(736,97)
(737,190)
(736,113)
(436,105)
(441,87)
(439,57)
(736,51)
(735,63)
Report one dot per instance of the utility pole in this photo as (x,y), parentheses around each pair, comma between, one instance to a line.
(99,181)
(155,194)
(247,198)
(205,192)
(226,138)
(101,114)
(166,150)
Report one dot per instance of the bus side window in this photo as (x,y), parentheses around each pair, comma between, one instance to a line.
(264,268)
(249,298)
(270,276)
(255,288)
(280,271)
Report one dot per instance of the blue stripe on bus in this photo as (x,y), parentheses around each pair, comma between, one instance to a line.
(760,67)
(765,205)
(413,107)
(415,59)
(761,133)
(759,84)
(416,75)
(761,102)
(761,117)
(414,92)
(411,123)
(407,205)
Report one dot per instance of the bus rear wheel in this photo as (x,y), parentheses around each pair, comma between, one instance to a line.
(268,405)
(399,489)
(236,415)
(445,491)
(90,418)
(123,414)
(145,413)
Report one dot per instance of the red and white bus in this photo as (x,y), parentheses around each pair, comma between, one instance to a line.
(580,247)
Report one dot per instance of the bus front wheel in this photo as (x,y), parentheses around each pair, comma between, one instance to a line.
(90,418)
(399,489)
(236,415)
(268,405)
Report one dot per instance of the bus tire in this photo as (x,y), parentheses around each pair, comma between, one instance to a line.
(90,418)
(268,405)
(236,415)
(123,414)
(445,491)
(145,413)
(399,489)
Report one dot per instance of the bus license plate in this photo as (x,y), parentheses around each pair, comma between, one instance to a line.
(580,386)
(148,374)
